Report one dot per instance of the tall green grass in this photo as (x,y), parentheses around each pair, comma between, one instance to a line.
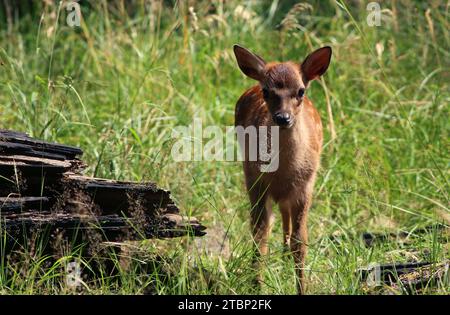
(119,84)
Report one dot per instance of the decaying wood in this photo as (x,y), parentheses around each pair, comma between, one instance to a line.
(111,227)
(13,142)
(18,204)
(408,277)
(112,196)
(42,190)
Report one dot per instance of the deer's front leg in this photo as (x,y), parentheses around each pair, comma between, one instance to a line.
(285,210)
(299,238)
(261,221)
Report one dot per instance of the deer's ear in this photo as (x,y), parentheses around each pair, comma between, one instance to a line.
(251,64)
(316,63)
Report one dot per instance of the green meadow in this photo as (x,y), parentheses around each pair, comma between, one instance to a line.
(118,84)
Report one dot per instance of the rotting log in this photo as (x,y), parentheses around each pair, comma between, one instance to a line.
(408,277)
(111,227)
(117,196)
(13,142)
(43,191)
(18,204)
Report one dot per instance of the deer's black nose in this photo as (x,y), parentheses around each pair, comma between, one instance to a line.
(282,119)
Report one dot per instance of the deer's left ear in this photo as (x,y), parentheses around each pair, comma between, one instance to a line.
(250,64)
(316,63)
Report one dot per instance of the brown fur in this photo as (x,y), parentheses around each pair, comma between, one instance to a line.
(291,185)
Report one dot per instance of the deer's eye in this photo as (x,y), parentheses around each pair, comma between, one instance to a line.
(265,93)
(301,92)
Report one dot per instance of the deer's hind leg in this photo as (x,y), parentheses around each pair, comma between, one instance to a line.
(261,224)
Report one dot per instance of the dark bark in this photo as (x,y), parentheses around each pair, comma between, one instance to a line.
(43,193)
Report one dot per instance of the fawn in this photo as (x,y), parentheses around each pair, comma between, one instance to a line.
(279,100)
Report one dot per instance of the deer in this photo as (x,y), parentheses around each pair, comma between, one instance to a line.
(279,99)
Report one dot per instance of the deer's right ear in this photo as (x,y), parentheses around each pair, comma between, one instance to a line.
(252,65)
(316,63)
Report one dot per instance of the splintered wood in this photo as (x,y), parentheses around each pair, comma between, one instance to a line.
(43,191)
